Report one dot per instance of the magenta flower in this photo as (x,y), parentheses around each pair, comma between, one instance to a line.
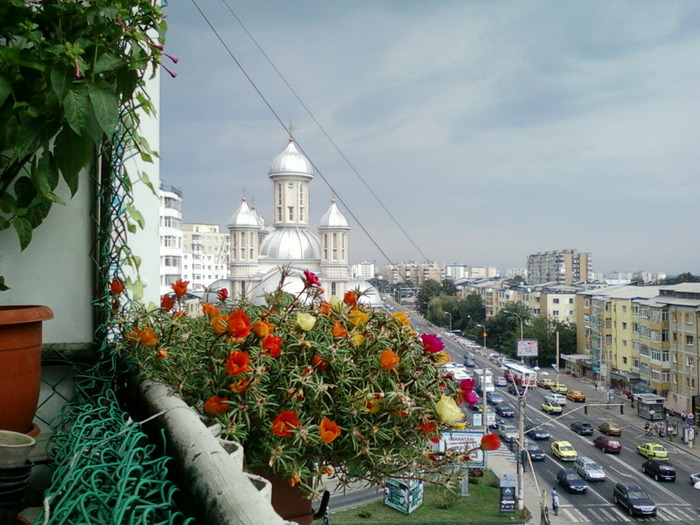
(311,279)
(471,399)
(432,343)
(466,385)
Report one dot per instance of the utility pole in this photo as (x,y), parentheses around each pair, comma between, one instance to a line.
(557,364)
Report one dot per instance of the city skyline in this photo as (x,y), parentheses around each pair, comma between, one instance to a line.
(510,128)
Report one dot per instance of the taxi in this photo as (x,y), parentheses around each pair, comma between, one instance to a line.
(564,451)
(545,383)
(559,387)
(652,451)
(551,408)
(576,395)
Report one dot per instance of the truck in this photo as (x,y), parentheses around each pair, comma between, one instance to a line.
(483,381)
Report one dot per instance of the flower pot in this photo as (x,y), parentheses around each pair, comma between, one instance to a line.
(20,364)
(15,448)
(289,502)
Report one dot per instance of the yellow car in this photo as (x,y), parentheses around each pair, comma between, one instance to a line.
(551,408)
(559,387)
(652,451)
(545,383)
(564,451)
(576,395)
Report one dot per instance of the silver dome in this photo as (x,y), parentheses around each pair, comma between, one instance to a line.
(291,244)
(244,216)
(291,160)
(333,218)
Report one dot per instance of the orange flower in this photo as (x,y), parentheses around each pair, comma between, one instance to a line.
(116,286)
(216,405)
(180,287)
(319,362)
(238,324)
(350,298)
(329,430)
(429,428)
(262,328)
(490,442)
(284,422)
(237,363)
(167,302)
(402,318)
(219,323)
(339,331)
(389,359)
(325,308)
(294,479)
(357,317)
(162,353)
(241,385)
(328,471)
(210,310)
(148,337)
(272,344)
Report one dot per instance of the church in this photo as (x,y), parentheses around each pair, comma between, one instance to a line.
(259,252)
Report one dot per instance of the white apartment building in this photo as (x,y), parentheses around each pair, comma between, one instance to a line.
(205,255)
(363,270)
(170,233)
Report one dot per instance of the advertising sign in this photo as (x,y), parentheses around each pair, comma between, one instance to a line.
(403,495)
(464,440)
(507,486)
(478,421)
(527,348)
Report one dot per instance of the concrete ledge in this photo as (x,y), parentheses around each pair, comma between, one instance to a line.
(223,493)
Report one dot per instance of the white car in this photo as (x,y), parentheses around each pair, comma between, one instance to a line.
(695,480)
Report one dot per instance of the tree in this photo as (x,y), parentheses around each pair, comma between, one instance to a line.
(448,287)
(685,277)
(431,288)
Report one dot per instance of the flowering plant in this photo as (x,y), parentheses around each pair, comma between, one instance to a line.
(309,388)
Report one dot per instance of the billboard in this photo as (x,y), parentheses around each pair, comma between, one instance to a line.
(464,440)
(527,348)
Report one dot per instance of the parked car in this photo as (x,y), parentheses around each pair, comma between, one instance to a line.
(505,410)
(576,395)
(494,398)
(652,451)
(516,390)
(507,432)
(545,383)
(589,469)
(564,451)
(568,479)
(559,387)
(499,381)
(611,429)
(634,499)
(659,470)
(607,444)
(582,428)
(539,434)
(551,408)
(535,451)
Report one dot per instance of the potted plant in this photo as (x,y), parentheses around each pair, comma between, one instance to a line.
(311,389)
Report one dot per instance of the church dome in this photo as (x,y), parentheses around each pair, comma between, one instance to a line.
(333,218)
(291,160)
(290,244)
(244,216)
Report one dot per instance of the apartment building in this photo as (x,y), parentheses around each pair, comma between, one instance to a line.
(205,254)
(560,267)
(170,235)
(558,303)
(413,272)
(363,271)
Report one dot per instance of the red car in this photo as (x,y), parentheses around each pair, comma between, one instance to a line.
(608,444)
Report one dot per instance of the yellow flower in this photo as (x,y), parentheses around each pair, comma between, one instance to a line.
(336,303)
(305,321)
(441,357)
(356,338)
(402,317)
(357,317)
(448,411)
(372,406)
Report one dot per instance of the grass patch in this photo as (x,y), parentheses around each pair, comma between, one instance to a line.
(481,506)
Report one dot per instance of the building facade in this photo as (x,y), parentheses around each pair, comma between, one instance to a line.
(170,237)
(560,267)
(205,255)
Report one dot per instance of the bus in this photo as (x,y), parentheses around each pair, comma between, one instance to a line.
(519,374)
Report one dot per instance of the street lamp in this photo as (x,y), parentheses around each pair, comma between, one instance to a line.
(483,335)
(448,313)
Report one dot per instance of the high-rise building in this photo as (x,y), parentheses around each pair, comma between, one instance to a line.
(205,252)
(170,233)
(559,267)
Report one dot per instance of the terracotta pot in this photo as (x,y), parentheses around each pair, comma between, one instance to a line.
(289,502)
(20,364)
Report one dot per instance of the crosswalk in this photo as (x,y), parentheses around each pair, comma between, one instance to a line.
(610,513)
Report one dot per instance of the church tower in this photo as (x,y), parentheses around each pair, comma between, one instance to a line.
(244,229)
(333,230)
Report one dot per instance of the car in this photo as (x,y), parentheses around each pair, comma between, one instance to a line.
(494,398)
(516,390)
(564,451)
(536,431)
(694,479)
(505,410)
(559,387)
(507,432)
(576,395)
(582,428)
(611,429)
(551,408)
(545,383)
(568,479)
(469,362)
(652,451)
(607,444)
(499,381)
(556,398)
(535,451)
(634,499)
(659,470)
(589,469)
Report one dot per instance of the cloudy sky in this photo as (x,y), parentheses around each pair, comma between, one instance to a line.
(475,132)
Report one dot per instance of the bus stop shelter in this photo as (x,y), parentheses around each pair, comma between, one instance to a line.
(649,406)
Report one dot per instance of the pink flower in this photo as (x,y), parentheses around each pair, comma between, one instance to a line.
(222,294)
(432,343)
(472,399)
(311,279)
(466,385)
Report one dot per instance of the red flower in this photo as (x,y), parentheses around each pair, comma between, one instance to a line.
(167,302)
(284,422)
(338,331)
(223,294)
(180,287)
(466,385)
(237,363)
(350,298)
(241,385)
(238,324)
(432,343)
(428,428)
(311,279)
(116,286)
(490,442)
(216,405)
(319,362)
(272,344)
(325,308)
(329,430)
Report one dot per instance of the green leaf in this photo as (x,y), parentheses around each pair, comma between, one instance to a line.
(44,176)
(25,193)
(24,231)
(72,153)
(106,108)
(136,215)
(107,62)
(61,79)
(27,136)
(147,182)
(4,223)
(75,106)
(136,288)
(3,286)
(5,89)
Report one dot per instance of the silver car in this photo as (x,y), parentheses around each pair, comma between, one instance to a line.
(589,470)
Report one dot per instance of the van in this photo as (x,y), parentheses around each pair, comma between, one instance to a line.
(589,470)
(555,398)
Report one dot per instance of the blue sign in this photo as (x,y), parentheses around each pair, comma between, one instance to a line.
(507,500)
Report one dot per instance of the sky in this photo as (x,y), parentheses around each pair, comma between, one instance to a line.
(471,132)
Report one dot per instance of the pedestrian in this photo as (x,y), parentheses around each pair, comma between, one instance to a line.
(555,502)
(652,414)
(683,415)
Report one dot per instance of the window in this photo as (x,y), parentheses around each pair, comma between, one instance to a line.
(555,300)
(624,325)
(624,360)
(624,343)
(675,379)
(665,377)
(624,308)
(571,300)
(333,288)
(291,212)
(689,340)
(688,318)
(689,361)
(555,313)
(666,355)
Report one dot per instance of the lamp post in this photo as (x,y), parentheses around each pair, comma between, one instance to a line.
(448,313)
(484,404)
